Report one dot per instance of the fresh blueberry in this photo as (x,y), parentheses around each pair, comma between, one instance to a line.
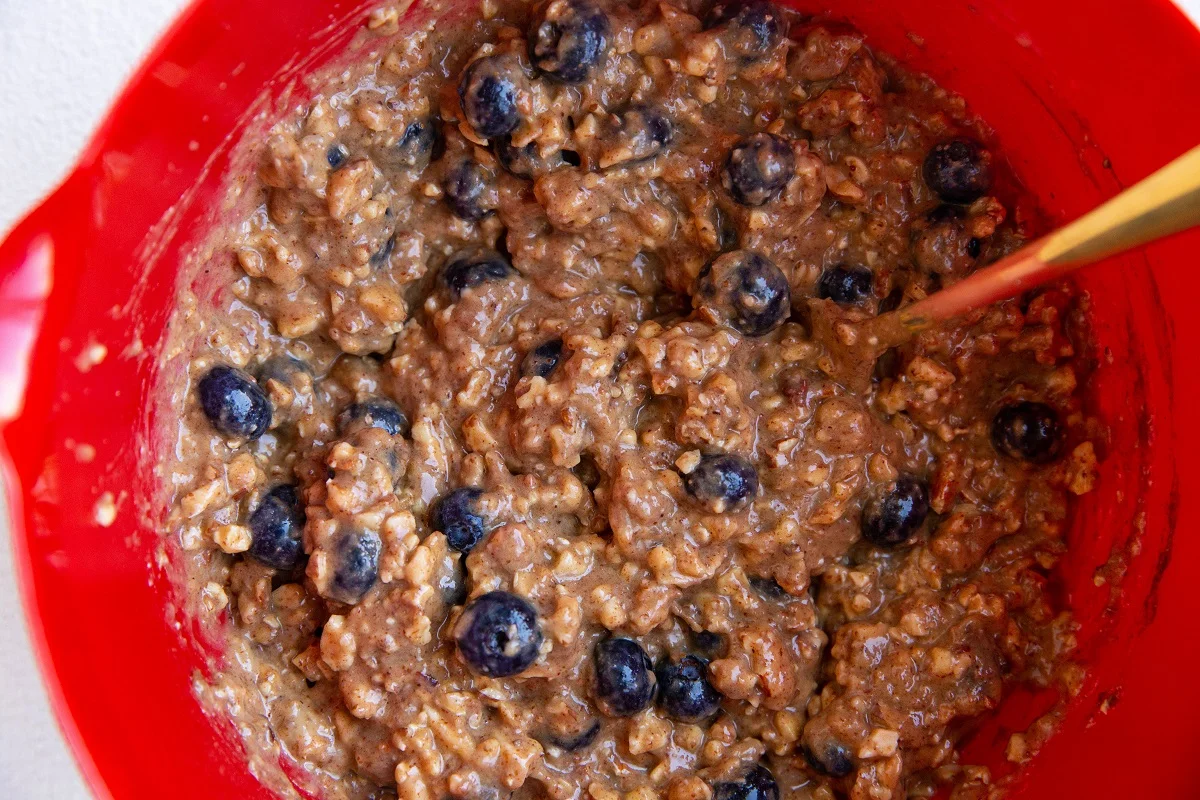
(747,289)
(959,170)
(758,168)
(275,528)
(527,161)
(831,759)
(543,359)
(234,403)
(490,92)
(568,39)
(498,635)
(457,516)
(897,513)
(625,680)
(470,269)
(641,132)
(684,690)
(722,482)
(573,744)
(846,286)
(376,412)
(755,27)
(336,155)
(711,645)
(464,187)
(759,784)
(768,588)
(355,562)
(284,369)
(384,253)
(416,146)
(1028,431)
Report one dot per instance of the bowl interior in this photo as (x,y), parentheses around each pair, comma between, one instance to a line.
(98,263)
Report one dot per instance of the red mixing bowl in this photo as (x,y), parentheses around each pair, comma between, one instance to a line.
(1086,96)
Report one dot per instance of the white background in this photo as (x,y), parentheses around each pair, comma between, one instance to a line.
(60,63)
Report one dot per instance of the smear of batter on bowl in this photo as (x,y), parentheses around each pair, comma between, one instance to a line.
(507,465)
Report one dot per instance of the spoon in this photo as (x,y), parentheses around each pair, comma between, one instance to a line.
(1164,203)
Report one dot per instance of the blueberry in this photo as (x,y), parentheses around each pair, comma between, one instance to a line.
(336,155)
(846,286)
(755,27)
(355,562)
(759,784)
(722,482)
(464,186)
(711,645)
(376,412)
(896,514)
(490,92)
(470,269)
(384,253)
(625,680)
(959,170)
(543,359)
(641,132)
(568,38)
(579,741)
(275,528)
(457,516)
(768,588)
(1028,431)
(527,161)
(416,146)
(233,403)
(831,759)
(498,635)
(758,168)
(684,690)
(747,289)
(283,369)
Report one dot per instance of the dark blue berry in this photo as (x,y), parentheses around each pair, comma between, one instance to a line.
(234,403)
(355,563)
(722,482)
(543,359)
(283,369)
(768,588)
(468,270)
(684,690)
(464,187)
(709,644)
(498,634)
(758,168)
(897,513)
(959,170)
(336,155)
(568,39)
(846,286)
(373,413)
(275,528)
(625,680)
(457,516)
(754,28)
(381,256)
(573,744)
(490,92)
(747,289)
(759,784)
(416,146)
(830,759)
(942,243)
(527,161)
(1028,431)
(640,132)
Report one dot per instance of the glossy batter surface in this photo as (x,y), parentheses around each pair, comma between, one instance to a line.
(509,466)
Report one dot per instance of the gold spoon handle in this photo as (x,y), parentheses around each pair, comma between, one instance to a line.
(1166,202)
